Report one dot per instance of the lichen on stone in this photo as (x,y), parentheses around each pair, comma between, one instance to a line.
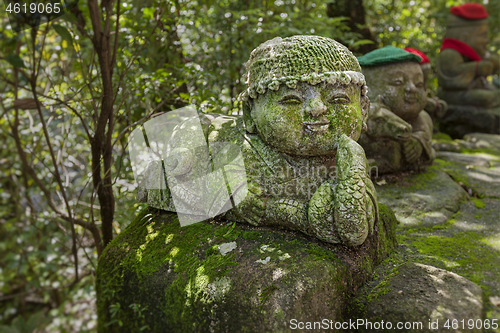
(264,261)
(310,59)
(227,247)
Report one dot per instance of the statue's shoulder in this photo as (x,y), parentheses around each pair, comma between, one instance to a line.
(222,128)
(380,109)
(450,57)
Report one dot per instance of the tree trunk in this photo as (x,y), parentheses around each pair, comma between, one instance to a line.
(101,145)
(355,11)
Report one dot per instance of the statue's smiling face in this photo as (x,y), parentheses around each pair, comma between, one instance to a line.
(478,39)
(308,120)
(402,89)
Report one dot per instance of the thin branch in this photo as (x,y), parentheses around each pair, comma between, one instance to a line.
(5,79)
(133,59)
(115,47)
(89,226)
(84,123)
(96,23)
(3,107)
(89,80)
(37,69)
(56,170)
(69,285)
(124,131)
(80,25)
(124,150)
(29,169)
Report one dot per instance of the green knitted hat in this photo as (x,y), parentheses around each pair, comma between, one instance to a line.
(310,59)
(386,56)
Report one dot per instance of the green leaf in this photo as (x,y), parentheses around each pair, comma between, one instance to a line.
(64,33)
(149,13)
(479,203)
(230,230)
(8,329)
(15,61)
(363,42)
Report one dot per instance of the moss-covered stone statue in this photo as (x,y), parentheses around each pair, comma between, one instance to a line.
(303,111)
(302,170)
(435,107)
(463,67)
(399,132)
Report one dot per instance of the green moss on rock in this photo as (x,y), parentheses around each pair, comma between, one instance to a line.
(160,277)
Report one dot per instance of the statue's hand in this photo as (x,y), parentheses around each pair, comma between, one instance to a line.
(320,213)
(350,207)
(442,108)
(485,67)
(495,60)
(436,107)
(412,149)
(253,207)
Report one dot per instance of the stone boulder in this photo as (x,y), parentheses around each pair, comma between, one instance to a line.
(222,277)
(461,120)
(421,296)
(430,198)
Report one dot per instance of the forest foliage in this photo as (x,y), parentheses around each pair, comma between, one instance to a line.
(72,90)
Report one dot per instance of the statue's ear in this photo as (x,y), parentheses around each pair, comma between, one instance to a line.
(247,116)
(380,100)
(365,108)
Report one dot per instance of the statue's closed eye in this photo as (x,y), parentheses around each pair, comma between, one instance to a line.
(340,99)
(291,100)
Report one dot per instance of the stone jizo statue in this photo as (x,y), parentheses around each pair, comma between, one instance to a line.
(303,111)
(463,67)
(399,131)
(435,107)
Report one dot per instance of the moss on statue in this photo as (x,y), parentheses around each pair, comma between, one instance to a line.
(474,103)
(160,277)
(295,162)
(399,131)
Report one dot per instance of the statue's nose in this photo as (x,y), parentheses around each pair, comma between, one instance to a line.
(316,107)
(410,86)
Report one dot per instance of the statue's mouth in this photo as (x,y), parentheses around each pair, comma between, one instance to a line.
(317,127)
(411,100)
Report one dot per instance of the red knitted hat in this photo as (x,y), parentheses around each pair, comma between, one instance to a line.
(425,59)
(470,11)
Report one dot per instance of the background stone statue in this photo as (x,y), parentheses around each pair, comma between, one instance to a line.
(463,65)
(435,107)
(303,111)
(399,132)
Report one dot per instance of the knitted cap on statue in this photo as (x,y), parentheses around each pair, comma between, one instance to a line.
(311,59)
(386,56)
(467,14)
(425,59)
(425,63)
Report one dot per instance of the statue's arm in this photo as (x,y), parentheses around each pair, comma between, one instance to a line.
(455,73)
(422,132)
(252,208)
(355,206)
(495,60)
(436,107)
